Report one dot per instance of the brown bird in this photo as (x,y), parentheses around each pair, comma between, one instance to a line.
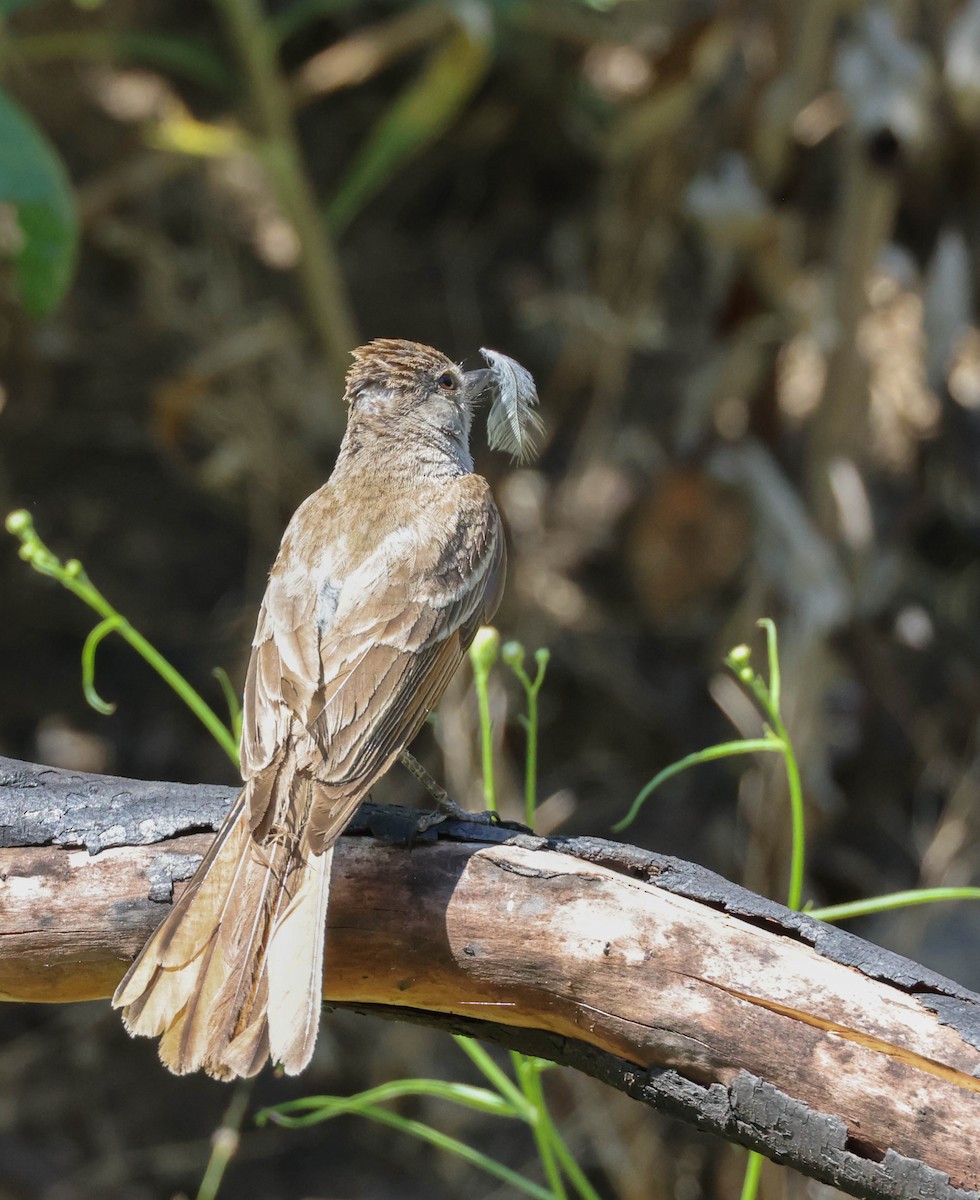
(383,577)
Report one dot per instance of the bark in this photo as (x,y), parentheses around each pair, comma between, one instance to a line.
(851,1064)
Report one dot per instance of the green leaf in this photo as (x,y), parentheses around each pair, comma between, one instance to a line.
(33,179)
(417,117)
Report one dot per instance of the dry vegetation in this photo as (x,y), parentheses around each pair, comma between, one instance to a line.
(737,244)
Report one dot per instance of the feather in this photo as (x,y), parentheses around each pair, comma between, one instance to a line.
(202,980)
(158,985)
(295,975)
(513,423)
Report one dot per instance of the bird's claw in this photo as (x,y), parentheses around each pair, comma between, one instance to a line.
(449,810)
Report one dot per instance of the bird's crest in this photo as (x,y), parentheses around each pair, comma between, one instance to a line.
(392,362)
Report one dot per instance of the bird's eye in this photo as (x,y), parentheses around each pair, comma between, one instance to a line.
(447,381)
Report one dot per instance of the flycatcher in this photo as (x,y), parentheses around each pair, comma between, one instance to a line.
(383,577)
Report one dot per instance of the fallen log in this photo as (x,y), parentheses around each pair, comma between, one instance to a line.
(851,1064)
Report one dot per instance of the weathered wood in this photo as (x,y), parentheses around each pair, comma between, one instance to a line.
(852,1064)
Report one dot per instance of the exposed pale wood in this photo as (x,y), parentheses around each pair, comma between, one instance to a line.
(577,942)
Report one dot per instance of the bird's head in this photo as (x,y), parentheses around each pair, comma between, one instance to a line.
(413,390)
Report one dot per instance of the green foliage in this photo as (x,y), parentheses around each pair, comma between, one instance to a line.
(767,697)
(71,575)
(415,120)
(775,740)
(34,182)
(33,178)
(518,1099)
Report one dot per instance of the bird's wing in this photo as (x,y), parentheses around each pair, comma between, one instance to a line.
(344,671)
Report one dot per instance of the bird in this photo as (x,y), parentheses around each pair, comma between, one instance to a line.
(383,577)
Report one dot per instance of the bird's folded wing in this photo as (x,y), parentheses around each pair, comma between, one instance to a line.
(351,691)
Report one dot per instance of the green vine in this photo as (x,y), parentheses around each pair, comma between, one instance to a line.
(71,575)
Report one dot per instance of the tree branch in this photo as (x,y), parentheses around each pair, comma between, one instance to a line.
(851,1064)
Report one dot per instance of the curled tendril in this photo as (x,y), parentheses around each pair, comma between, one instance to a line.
(102,630)
(71,575)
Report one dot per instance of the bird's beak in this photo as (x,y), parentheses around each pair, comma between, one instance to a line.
(477,382)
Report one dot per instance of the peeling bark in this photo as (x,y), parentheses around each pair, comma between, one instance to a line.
(854,1065)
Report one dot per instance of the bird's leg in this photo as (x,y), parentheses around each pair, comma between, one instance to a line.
(448,808)
(439,794)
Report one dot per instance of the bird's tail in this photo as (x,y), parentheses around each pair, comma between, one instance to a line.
(234,975)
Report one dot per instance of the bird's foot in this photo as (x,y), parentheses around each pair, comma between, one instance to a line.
(449,810)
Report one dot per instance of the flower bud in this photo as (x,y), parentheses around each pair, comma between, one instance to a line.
(739,657)
(513,654)
(19,522)
(485,648)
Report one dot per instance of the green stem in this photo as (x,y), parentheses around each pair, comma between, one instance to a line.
(492,1073)
(85,591)
(442,1141)
(766,745)
(486,747)
(484,652)
(92,642)
(530,1074)
(314,1110)
(531,760)
(541,1127)
(753,1171)
(575,1174)
(71,575)
(513,655)
(203,711)
(256,43)
(233,702)
(797,815)
(769,698)
(768,625)
(532,690)
(90,595)
(861,908)
(225,1141)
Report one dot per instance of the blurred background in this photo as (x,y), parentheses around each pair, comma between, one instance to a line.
(738,245)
